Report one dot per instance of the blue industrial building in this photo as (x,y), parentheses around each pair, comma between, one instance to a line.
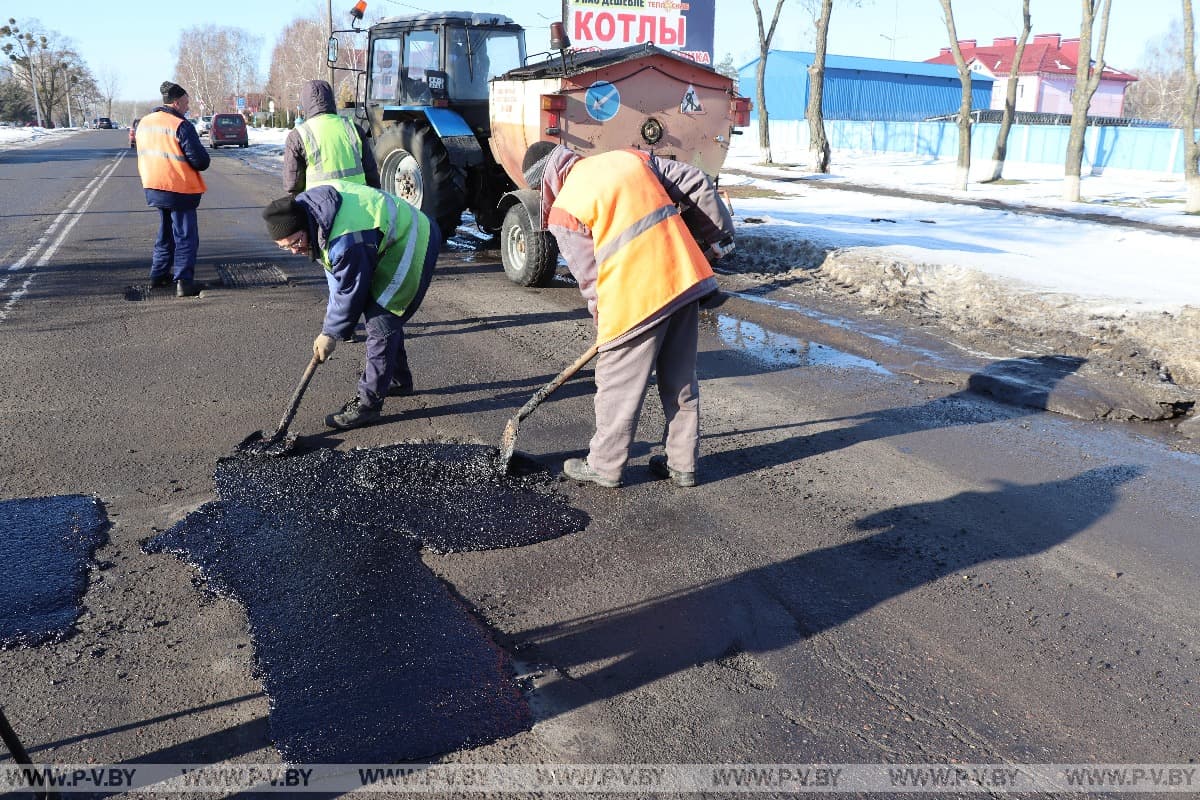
(863,88)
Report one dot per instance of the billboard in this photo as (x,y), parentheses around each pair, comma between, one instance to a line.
(684,27)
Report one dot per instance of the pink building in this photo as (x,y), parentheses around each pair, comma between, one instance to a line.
(1046,78)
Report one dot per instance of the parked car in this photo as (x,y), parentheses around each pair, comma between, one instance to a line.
(228,129)
(105,122)
(204,125)
(133,133)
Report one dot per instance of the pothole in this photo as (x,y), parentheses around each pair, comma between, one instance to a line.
(323,551)
(251,274)
(46,548)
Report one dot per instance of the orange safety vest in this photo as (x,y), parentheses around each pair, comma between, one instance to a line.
(645,255)
(161,161)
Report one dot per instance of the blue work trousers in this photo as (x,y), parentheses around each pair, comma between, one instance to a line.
(386,356)
(177,244)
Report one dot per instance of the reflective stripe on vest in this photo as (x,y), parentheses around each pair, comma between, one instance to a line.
(645,255)
(161,161)
(405,232)
(332,149)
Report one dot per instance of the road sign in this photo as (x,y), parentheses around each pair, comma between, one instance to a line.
(241,104)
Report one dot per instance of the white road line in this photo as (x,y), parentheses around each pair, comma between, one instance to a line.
(74,210)
(58,220)
(15,296)
(78,214)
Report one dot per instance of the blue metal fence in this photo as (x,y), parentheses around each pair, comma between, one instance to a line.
(1144,149)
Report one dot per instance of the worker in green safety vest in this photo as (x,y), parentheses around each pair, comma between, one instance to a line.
(325,146)
(378,252)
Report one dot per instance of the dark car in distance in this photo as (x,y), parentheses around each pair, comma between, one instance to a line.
(228,129)
(105,122)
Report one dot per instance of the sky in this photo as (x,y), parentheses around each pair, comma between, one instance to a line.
(138,39)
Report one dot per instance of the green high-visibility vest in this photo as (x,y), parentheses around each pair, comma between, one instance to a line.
(333,150)
(405,241)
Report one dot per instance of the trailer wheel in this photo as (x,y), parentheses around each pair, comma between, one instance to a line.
(414,165)
(529,256)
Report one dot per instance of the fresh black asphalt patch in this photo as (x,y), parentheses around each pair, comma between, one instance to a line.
(367,657)
(46,546)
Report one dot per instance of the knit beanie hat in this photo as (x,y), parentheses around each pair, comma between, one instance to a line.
(171,92)
(284,216)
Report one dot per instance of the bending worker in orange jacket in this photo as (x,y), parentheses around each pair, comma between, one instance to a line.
(635,254)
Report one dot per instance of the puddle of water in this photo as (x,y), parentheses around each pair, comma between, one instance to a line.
(367,657)
(46,547)
(781,351)
(824,319)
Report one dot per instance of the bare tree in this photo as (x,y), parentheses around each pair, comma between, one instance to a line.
(818,143)
(21,49)
(216,64)
(1191,153)
(299,56)
(1158,93)
(964,110)
(764,46)
(244,48)
(108,84)
(1087,79)
(1010,97)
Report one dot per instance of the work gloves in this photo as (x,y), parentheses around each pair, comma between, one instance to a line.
(323,347)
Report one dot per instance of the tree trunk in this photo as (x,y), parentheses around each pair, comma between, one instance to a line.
(1010,99)
(764,130)
(964,110)
(1191,149)
(764,47)
(1087,80)
(818,143)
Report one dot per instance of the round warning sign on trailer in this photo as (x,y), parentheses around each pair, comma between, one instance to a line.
(602,101)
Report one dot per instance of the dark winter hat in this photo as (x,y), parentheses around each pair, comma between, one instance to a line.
(283,216)
(171,92)
(534,163)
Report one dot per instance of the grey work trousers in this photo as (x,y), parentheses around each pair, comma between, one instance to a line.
(668,348)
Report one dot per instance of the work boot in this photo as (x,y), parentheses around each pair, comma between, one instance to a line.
(580,470)
(160,281)
(186,288)
(660,468)
(353,415)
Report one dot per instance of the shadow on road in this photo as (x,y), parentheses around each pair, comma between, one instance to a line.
(768,608)
(1027,383)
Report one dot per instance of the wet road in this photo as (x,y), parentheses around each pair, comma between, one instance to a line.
(873,568)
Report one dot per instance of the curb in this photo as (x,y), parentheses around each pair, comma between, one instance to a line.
(1046,382)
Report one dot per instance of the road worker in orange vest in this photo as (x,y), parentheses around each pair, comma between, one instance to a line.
(629,226)
(170,160)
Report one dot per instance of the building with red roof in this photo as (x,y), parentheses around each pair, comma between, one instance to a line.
(1046,78)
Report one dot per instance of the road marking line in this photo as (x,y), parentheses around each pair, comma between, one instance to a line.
(76,208)
(49,253)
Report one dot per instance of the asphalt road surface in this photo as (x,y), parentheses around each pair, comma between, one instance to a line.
(872,569)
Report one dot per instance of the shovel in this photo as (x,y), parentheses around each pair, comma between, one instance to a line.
(280,442)
(508,442)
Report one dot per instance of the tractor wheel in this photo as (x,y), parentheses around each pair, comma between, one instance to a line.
(529,256)
(413,164)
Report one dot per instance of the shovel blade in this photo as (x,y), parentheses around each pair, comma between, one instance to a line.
(258,445)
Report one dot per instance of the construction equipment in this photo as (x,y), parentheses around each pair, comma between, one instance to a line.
(280,442)
(450,107)
(508,441)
